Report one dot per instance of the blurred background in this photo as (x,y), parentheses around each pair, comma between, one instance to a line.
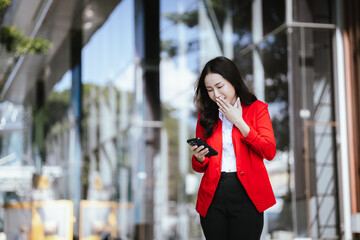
(96,104)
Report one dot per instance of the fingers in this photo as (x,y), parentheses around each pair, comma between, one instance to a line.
(222,111)
(222,103)
(199,152)
(226,103)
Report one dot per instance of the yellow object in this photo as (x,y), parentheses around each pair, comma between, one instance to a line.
(112,222)
(92,237)
(53,237)
(37,228)
(42,182)
(98,183)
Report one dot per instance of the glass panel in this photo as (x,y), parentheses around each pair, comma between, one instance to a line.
(180,60)
(111,142)
(273,14)
(242,24)
(11,136)
(321,11)
(221,28)
(321,174)
(94,15)
(315,82)
(274,57)
(322,141)
(273,51)
(57,123)
(233,18)
(245,65)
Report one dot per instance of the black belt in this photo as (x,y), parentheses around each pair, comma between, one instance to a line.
(225,175)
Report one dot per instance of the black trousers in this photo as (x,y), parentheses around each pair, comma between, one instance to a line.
(231,214)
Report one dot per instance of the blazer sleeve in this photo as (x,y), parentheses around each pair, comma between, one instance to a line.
(196,165)
(262,139)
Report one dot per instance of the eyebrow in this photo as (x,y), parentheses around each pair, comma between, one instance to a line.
(215,84)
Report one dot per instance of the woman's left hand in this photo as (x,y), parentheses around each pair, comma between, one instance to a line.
(233,114)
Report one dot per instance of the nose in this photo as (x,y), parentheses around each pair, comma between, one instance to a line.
(216,93)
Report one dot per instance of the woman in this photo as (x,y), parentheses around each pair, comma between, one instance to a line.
(235,188)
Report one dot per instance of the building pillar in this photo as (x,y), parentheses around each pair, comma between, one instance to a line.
(39,125)
(346,91)
(257,33)
(147,53)
(75,124)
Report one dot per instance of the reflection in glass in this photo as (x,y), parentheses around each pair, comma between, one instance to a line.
(108,137)
(178,72)
(15,134)
(274,58)
(39,220)
(315,63)
(273,14)
(58,125)
(321,11)
(245,65)
(57,121)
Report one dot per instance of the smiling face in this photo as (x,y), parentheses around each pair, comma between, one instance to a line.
(217,86)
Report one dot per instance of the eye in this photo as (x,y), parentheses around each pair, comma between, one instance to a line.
(209,90)
(221,86)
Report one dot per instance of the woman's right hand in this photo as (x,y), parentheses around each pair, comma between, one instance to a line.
(199,152)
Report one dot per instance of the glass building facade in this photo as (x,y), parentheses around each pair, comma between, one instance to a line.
(96,129)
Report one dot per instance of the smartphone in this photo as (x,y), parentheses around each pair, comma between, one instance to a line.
(199,142)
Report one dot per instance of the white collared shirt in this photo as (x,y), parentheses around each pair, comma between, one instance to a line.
(228,154)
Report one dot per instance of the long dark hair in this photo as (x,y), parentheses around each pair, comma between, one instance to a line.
(208,108)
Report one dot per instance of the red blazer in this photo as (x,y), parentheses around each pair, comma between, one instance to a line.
(249,151)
